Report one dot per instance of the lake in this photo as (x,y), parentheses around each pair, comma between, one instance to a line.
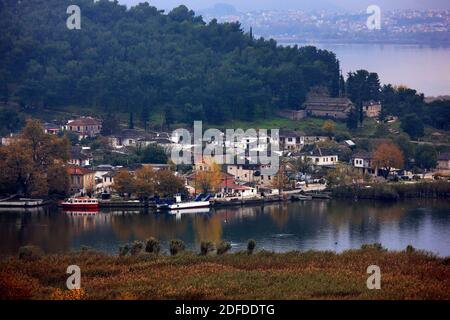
(424,68)
(321,225)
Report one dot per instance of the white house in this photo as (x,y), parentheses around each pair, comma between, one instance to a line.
(362,160)
(291,140)
(322,157)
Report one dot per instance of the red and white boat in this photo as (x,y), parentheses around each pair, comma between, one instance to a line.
(80,204)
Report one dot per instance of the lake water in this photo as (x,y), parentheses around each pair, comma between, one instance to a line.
(424,68)
(321,225)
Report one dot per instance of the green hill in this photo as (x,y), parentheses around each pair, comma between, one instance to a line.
(145,61)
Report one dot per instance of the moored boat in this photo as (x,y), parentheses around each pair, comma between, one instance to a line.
(80,203)
(301,197)
(199,202)
(21,203)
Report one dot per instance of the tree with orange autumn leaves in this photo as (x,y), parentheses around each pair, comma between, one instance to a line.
(33,164)
(280,181)
(208,180)
(147,182)
(387,156)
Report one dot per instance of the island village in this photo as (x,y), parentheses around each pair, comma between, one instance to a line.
(114,165)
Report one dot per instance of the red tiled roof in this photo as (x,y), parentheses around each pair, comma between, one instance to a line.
(224,176)
(84,122)
(74,170)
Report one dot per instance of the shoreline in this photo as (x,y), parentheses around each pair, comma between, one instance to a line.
(376,192)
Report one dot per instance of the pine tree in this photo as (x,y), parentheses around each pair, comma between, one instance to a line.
(130,121)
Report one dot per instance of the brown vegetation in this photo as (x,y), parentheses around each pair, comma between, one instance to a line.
(310,275)
(388,156)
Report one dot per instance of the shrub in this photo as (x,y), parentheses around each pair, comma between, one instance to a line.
(410,249)
(223,247)
(30,253)
(373,246)
(87,249)
(136,248)
(176,246)
(251,244)
(152,245)
(206,247)
(123,250)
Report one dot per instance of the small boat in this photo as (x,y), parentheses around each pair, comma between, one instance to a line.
(80,203)
(21,203)
(301,197)
(200,201)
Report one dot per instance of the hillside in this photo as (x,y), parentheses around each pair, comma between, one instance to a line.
(144,61)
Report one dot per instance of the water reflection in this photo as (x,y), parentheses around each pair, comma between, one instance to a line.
(321,225)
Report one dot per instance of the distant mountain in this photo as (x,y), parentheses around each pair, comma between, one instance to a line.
(307,5)
(219,9)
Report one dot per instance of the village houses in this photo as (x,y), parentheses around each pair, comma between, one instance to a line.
(82,180)
(326,107)
(322,157)
(372,109)
(443,161)
(84,126)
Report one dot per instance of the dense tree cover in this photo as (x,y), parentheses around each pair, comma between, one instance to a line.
(10,121)
(153,154)
(425,157)
(362,86)
(413,111)
(147,182)
(144,61)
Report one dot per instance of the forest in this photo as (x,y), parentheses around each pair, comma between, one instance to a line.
(145,61)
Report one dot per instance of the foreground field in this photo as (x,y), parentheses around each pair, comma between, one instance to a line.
(264,275)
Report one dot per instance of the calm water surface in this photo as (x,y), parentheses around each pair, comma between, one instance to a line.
(424,68)
(322,225)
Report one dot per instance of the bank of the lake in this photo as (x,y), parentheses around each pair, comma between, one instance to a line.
(395,191)
(264,275)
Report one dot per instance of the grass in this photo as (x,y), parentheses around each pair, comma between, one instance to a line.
(308,125)
(264,275)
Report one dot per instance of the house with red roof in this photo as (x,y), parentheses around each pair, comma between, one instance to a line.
(84,126)
(82,180)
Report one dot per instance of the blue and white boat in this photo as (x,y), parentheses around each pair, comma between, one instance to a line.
(201,201)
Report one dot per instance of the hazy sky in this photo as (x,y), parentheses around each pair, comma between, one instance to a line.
(352,5)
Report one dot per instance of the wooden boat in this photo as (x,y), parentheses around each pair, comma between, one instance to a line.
(80,203)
